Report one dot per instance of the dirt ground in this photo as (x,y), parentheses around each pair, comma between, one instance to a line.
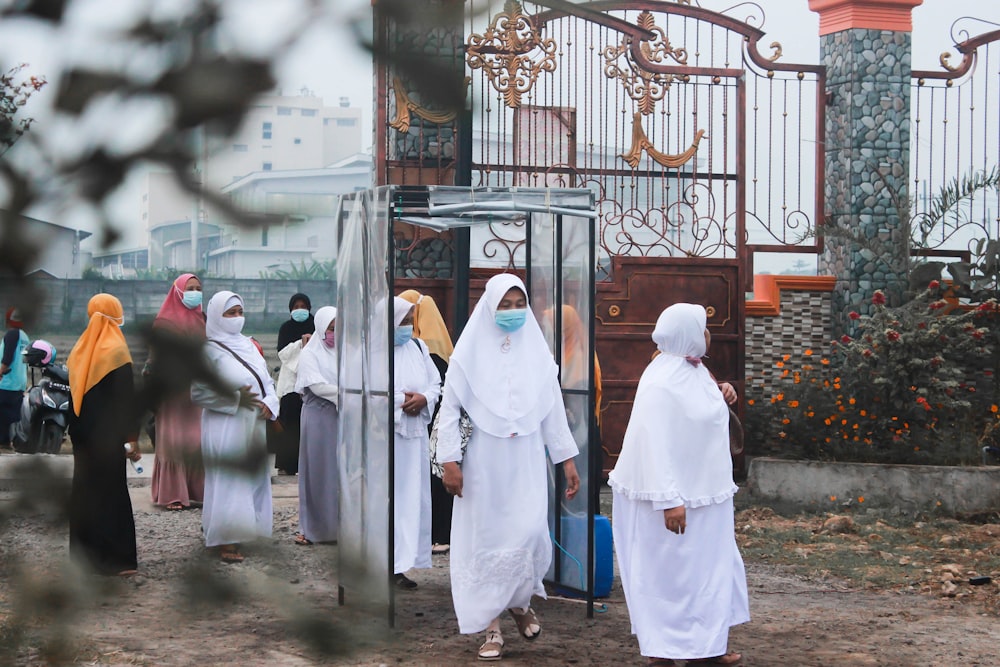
(810,604)
(862,589)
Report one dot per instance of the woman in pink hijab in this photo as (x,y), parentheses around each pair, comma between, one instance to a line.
(178,473)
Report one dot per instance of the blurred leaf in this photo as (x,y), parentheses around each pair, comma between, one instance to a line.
(80,86)
(49,10)
(220,89)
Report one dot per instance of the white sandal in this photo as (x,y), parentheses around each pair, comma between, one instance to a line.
(525,621)
(492,648)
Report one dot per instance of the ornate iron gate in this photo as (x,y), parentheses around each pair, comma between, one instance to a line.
(693,140)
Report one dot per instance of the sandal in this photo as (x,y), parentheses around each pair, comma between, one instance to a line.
(175,506)
(230,554)
(492,648)
(525,622)
(728,659)
(302,540)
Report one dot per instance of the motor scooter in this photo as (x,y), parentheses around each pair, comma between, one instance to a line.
(45,406)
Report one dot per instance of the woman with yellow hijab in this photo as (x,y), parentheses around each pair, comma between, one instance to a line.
(101,526)
(429,326)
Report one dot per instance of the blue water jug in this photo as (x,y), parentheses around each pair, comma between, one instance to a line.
(573,545)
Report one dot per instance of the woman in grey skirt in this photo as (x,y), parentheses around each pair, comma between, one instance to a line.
(319,501)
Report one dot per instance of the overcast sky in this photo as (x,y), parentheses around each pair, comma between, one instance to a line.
(326,60)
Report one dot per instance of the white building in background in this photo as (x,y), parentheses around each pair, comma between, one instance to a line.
(286,137)
(60,255)
(307,235)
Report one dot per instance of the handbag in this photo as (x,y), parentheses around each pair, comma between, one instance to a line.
(464,430)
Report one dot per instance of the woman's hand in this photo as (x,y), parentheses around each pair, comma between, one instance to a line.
(452,479)
(265,412)
(572,478)
(413,402)
(133,453)
(675,519)
(249,400)
(305,338)
(728,393)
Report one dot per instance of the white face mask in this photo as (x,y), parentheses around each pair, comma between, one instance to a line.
(232,325)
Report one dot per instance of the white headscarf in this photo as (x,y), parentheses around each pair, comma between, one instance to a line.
(504,381)
(318,363)
(400,308)
(238,343)
(676,446)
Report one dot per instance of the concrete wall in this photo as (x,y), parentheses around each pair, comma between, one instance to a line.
(823,486)
(63,309)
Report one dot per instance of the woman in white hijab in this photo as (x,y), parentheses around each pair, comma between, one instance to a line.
(417,386)
(237,485)
(681,570)
(503,375)
(319,481)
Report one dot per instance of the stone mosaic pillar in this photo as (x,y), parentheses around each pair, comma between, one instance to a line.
(866,46)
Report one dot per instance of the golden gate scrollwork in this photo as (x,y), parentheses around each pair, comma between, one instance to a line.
(645,87)
(504,53)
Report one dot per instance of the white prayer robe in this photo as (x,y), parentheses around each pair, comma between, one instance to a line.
(414,371)
(500,543)
(237,498)
(685,591)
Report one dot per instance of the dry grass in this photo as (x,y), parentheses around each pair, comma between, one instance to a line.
(936,557)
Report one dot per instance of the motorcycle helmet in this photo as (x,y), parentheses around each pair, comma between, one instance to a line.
(40,353)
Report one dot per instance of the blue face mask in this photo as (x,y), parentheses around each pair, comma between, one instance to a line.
(511,320)
(300,314)
(403,334)
(192,299)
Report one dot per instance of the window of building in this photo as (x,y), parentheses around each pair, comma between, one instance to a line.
(297,141)
(267,130)
(240,148)
(263,236)
(347,122)
(308,112)
(284,111)
(267,166)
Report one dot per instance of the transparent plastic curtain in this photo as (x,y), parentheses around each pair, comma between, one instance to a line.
(362,294)
(561,300)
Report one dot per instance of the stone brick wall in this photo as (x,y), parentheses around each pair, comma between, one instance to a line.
(802,323)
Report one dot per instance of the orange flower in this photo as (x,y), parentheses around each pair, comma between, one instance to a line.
(810,414)
(793,404)
(780,397)
(862,413)
(786,357)
(825,362)
(861,499)
(808,353)
(784,373)
(750,402)
(786,420)
(827,421)
(852,401)
(779,364)
(995,408)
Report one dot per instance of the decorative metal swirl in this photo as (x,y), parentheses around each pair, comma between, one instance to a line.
(641,143)
(776,47)
(504,52)
(508,238)
(406,106)
(944,62)
(687,227)
(645,87)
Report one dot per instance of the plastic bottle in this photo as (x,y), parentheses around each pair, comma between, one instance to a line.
(137,467)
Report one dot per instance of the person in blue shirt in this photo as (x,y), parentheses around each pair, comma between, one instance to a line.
(13,375)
